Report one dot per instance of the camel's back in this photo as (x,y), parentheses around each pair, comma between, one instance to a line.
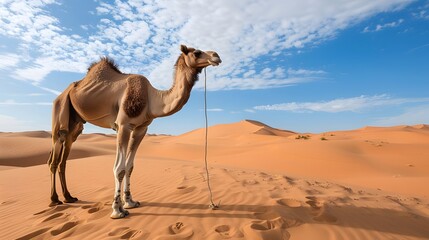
(97,96)
(104,70)
(102,83)
(100,94)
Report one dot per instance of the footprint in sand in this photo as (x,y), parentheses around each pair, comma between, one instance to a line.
(319,210)
(250,182)
(289,180)
(94,207)
(224,231)
(7,202)
(52,209)
(132,234)
(312,191)
(185,189)
(273,214)
(127,233)
(34,234)
(177,231)
(104,213)
(54,216)
(277,191)
(117,231)
(266,229)
(63,228)
(292,203)
(97,210)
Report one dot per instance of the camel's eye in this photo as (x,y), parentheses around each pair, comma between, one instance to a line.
(197,53)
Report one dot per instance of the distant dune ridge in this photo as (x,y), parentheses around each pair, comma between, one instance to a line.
(368,183)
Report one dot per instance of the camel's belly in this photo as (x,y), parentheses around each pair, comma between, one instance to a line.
(97,104)
(104,122)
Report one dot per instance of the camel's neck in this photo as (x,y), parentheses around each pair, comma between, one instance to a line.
(171,101)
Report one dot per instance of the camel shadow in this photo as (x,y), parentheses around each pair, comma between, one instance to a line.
(404,223)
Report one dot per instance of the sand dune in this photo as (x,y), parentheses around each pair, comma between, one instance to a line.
(26,149)
(369,183)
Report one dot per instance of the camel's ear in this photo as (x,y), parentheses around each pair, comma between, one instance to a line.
(184,49)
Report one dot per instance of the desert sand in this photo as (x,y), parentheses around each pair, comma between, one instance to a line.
(369,183)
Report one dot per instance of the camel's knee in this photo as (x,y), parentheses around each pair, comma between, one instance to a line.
(120,174)
(55,157)
(53,167)
(53,162)
(62,135)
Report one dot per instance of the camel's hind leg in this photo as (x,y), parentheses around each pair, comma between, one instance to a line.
(62,173)
(71,137)
(76,128)
(53,162)
(66,126)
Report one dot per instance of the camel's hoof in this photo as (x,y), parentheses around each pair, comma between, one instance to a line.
(55,203)
(70,199)
(118,215)
(126,212)
(129,205)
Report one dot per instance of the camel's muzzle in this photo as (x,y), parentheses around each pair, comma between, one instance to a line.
(215,61)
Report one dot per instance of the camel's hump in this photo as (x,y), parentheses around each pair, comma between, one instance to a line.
(104,62)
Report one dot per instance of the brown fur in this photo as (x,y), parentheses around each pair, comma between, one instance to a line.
(105,60)
(136,96)
(191,73)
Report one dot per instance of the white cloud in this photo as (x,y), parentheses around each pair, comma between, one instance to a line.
(42,66)
(143,37)
(423,12)
(23,18)
(412,116)
(8,60)
(354,104)
(380,27)
(11,102)
(418,48)
(35,94)
(253,83)
(49,90)
(214,110)
(304,72)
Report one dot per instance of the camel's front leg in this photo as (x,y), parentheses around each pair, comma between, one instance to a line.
(136,138)
(119,171)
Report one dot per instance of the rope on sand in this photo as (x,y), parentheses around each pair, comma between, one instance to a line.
(212,205)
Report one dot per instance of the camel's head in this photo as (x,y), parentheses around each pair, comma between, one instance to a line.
(199,59)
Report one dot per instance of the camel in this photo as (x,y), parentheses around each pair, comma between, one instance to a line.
(127,103)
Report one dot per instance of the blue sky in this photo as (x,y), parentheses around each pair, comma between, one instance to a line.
(308,66)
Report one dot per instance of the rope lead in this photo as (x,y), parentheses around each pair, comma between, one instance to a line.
(212,205)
